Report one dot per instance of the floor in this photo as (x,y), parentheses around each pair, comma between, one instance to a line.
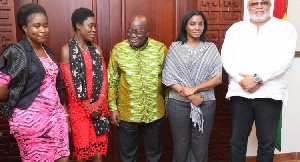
(288,157)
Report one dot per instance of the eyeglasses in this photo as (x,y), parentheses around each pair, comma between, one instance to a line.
(255,4)
(135,32)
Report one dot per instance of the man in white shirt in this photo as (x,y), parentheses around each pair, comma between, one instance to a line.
(256,54)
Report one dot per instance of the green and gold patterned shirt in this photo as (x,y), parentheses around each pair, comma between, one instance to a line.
(134,77)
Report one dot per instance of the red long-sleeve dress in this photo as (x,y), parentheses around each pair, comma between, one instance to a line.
(86,143)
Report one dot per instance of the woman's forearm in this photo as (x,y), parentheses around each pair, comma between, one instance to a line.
(211,83)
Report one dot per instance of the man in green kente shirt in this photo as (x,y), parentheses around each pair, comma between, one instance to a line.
(135,93)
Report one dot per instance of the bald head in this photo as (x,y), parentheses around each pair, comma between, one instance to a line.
(139,20)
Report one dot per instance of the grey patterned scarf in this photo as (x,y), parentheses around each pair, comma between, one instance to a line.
(205,66)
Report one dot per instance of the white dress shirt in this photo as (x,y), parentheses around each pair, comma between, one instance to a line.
(268,52)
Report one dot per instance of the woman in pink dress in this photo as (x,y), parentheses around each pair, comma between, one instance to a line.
(35,110)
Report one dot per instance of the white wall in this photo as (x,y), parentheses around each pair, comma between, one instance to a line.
(290,135)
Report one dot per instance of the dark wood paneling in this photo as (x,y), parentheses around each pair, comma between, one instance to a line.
(7,26)
(116,23)
(102,10)
(160,15)
(297,53)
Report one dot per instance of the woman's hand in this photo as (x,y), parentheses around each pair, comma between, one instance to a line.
(96,113)
(69,125)
(196,99)
(4,92)
(187,91)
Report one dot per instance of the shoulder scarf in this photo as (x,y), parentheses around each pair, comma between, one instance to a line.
(77,67)
(205,67)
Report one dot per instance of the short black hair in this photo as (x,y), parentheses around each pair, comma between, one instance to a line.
(26,11)
(79,15)
(182,36)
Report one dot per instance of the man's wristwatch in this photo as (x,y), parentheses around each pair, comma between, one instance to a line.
(257,79)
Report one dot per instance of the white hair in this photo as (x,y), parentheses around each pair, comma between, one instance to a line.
(262,18)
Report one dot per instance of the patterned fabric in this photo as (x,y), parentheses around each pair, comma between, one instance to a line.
(86,143)
(180,69)
(41,130)
(14,57)
(135,87)
(78,69)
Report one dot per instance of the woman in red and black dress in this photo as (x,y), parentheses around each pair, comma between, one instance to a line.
(85,79)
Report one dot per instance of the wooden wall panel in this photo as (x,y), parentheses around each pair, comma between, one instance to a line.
(7,26)
(220,14)
(18,4)
(117,28)
(160,15)
(101,9)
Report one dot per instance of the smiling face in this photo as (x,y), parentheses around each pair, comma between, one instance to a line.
(194,28)
(259,11)
(138,32)
(87,29)
(37,28)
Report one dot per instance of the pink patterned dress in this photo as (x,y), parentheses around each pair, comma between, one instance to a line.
(41,130)
(4,78)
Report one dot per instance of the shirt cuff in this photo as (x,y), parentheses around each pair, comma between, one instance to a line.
(112,106)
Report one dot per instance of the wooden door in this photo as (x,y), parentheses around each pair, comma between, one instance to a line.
(112,18)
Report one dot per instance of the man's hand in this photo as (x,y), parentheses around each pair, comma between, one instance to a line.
(248,84)
(255,88)
(187,91)
(114,118)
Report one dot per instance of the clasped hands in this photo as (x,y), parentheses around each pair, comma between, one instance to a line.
(96,113)
(248,84)
(189,92)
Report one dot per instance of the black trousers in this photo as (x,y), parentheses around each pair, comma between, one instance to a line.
(266,113)
(129,135)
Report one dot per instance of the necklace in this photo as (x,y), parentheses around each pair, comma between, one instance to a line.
(50,62)
(85,51)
